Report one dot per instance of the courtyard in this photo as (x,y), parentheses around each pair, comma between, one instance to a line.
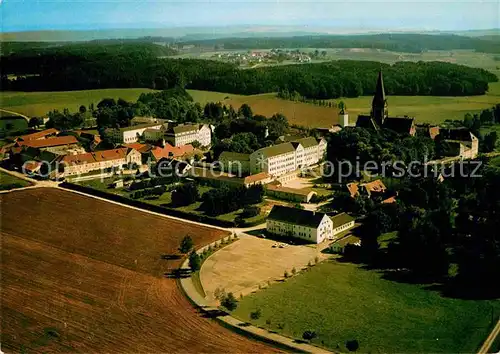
(252,263)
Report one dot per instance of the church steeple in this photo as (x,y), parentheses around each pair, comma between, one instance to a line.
(379,103)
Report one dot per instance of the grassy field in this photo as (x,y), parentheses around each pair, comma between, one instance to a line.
(40,103)
(426,109)
(341,302)
(10,182)
(429,109)
(84,275)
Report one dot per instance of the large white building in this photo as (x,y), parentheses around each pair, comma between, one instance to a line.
(304,224)
(131,134)
(99,160)
(188,133)
(283,158)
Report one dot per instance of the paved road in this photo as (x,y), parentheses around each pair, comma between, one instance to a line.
(15,113)
(485,348)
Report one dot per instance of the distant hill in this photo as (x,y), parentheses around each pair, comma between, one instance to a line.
(184,33)
(205,33)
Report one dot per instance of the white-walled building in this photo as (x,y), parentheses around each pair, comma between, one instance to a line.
(341,222)
(188,133)
(304,224)
(99,160)
(131,134)
(283,158)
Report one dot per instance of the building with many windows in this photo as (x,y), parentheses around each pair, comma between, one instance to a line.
(131,134)
(341,222)
(99,161)
(188,133)
(299,223)
(286,157)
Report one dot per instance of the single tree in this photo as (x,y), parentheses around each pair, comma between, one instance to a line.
(230,302)
(196,144)
(245,111)
(309,335)
(255,315)
(34,122)
(186,244)
(352,345)
(194,261)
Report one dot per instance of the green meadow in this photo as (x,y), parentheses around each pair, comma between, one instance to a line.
(342,302)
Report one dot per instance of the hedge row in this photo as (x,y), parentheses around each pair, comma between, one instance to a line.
(154,208)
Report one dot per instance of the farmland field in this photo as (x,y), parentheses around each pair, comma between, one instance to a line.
(342,301)
(79,274)
(430,109)
(426,109)
(10,182)
(40,103)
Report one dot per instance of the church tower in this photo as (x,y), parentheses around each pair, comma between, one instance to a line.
(379,103)
(343,116)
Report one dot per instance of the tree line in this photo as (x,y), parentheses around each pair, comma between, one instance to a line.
(226,199)
(122,66)
(398,42)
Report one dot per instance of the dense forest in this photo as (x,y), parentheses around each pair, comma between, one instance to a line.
(92,66)
(398,42)
(444,232)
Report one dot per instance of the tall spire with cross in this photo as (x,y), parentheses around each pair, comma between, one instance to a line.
(379,103)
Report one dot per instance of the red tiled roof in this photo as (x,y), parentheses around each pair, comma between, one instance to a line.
(433,132)
(39,135)
(376,186)
(56,141)
(98,156)
(32,165)
(389,200)
(172,151)
(142,148)
(353,189)
(256,177)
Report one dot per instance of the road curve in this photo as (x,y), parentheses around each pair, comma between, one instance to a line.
(485,348)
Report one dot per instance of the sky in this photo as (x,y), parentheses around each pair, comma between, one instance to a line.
(29,15)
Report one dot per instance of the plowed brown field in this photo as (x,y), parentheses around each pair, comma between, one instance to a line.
(87,275)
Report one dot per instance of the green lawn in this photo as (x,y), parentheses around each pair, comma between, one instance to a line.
(40,103)
(10,182)
(341,301)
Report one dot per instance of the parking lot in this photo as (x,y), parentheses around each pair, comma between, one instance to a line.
(251,261)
